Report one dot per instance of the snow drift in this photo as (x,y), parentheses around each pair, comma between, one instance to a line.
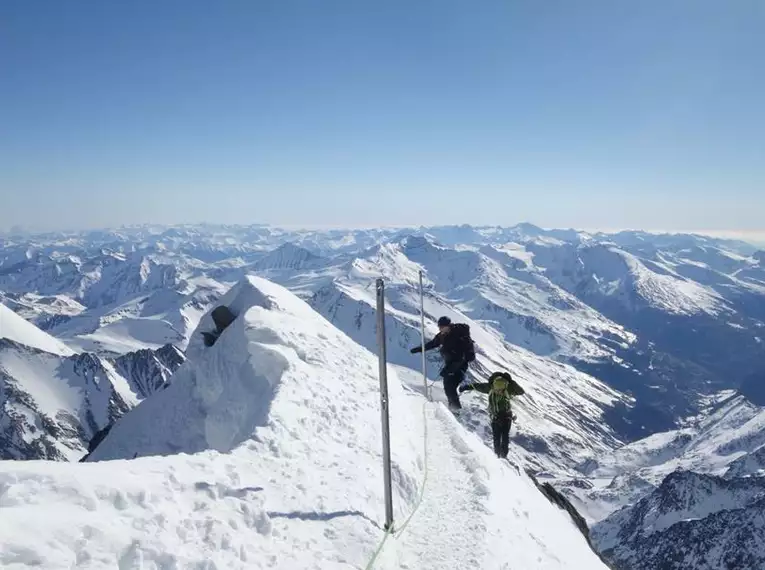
(264,452)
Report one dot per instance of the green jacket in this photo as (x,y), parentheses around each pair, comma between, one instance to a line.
(499,401)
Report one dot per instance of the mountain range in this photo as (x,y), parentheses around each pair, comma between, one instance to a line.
(642,354)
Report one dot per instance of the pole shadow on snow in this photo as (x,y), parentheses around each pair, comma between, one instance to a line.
(319,516)
(217,491)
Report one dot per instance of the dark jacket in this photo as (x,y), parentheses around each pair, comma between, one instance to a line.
(456,347)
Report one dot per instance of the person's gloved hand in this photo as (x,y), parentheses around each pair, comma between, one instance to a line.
(465,388)
(413,350)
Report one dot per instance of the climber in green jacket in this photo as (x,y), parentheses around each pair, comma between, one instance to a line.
(501,388)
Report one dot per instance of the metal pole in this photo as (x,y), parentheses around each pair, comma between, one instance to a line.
(422,336)
(384,404)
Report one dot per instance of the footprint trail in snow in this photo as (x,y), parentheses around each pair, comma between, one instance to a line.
(442,533)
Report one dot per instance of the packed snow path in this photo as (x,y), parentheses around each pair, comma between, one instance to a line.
(476,513)
(447,509)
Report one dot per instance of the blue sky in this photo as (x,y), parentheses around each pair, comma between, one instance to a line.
(590,114)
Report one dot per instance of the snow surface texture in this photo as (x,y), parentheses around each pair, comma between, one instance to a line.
(270,458)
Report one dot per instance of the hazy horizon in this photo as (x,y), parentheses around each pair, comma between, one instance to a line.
(755,237)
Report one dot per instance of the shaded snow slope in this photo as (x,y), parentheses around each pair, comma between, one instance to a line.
(51,405)
(15,328)
(728,439)
(690,521)
(293,404)
(710,443)
(53,402)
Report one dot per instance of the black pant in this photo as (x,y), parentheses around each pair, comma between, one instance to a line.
(451,381)
(500,429)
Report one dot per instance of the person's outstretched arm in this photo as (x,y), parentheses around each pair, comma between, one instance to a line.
(435,342)
(483,387)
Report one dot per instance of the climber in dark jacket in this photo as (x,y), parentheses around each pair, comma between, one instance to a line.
(457,350)
(501,388)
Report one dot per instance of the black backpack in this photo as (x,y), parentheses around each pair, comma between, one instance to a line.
(462,331)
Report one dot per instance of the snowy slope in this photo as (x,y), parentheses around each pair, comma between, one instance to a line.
(144,321)
(731,430)
(689,521)
(635,282)
(281,416)
(43,311)
(15,328)
(498,286)
(728,440)
(111,301)
(51,405)
(560,422)
(52,401)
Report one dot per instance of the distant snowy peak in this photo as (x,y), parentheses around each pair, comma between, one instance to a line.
(287,256)
(602,273)
(15,328)
(726,432)
(414,242)
(671,292)
(117,277)
(687,495)
(100,279)
(526,232)
(689,521)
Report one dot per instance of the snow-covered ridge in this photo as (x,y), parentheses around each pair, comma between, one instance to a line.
(270,457)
